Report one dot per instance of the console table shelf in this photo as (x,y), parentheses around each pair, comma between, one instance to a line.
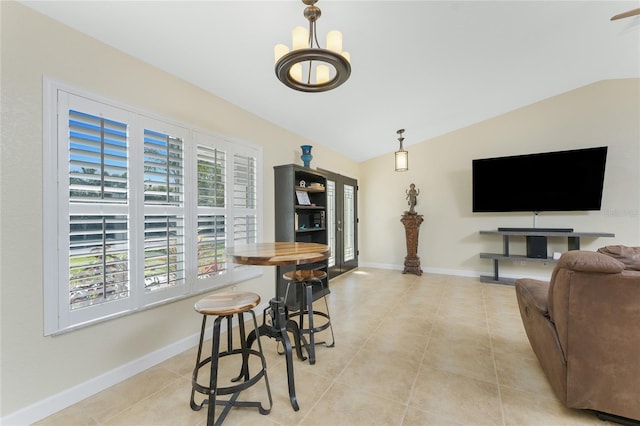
(573,243)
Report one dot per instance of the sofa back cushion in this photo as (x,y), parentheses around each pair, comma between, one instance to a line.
(630,256)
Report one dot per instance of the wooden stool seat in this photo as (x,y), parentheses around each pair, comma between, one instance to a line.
(224,306)
(301,275)
(308,278)
(227,303)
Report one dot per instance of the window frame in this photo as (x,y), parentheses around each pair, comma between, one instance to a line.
(58,317)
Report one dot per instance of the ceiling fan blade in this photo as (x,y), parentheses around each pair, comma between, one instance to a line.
(627,14)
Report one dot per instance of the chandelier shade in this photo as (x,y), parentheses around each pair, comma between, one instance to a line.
(308,67)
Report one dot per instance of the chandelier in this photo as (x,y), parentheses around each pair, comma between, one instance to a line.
(296,69)
(402,156)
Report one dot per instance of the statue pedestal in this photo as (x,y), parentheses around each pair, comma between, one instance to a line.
(411,222)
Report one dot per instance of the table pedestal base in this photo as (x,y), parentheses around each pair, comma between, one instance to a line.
(278,329)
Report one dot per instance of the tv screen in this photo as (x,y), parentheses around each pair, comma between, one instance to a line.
(549,181)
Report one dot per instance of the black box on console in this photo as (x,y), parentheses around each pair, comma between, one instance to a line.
(537,247)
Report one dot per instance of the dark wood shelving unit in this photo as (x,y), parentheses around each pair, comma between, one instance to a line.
(295,222)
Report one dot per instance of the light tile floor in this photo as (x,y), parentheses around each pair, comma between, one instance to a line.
(429,350)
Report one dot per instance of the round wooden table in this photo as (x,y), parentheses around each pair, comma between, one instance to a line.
(280,254)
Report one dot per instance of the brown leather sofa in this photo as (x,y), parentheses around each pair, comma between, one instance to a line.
(584,327)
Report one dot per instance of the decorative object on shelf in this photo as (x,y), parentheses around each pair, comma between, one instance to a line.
(302,184)
(303,198)
(412,197)
(402,156)
(333,67)
(411,222)
(306,156)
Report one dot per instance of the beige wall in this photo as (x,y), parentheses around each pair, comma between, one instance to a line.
(604,113)
(36,367)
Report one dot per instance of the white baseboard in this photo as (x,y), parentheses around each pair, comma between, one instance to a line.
(48,406)
(394,267)
(454,272)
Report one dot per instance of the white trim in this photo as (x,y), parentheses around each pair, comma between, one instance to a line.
(51,405)
(454,272)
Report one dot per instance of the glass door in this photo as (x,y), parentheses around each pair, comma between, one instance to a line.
(342,223)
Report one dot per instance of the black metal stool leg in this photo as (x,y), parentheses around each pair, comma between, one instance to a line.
(333,339)
(194,377)
(213,379)
(288,352)
(311,349)
(264,365)
(244,370)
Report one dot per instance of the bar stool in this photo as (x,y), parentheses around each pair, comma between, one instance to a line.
(307,278)
(224,306)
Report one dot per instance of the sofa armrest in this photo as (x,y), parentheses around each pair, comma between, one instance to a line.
(536,291)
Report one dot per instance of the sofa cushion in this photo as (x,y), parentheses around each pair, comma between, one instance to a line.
(630,256)
(589,261)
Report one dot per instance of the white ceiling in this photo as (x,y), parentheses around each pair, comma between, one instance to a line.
(430,67)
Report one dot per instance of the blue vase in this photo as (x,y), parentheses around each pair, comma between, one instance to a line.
(306,156)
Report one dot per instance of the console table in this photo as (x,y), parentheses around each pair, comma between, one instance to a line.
(573,243)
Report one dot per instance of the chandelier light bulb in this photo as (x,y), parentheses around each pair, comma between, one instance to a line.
(300,37)
(296,72)
(322,74)
(279,51)
(334,41)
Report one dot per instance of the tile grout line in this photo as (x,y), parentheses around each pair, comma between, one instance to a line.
(493,354)
(424,355)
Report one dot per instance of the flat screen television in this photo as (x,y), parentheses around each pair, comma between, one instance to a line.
(549,181)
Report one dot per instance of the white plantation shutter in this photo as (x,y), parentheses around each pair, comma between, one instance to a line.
(164,210)
(163,252)
(212,238)
(211,176)
(98,259)
(245,199)
(163,168)
(97,158)
(98,244)
(140,211)
(212,227)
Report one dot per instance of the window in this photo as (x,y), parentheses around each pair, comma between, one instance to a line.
(139,210)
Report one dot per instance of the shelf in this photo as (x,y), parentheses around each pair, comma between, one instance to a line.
(305,207)
(573,243)
(311,229)
(516,258)
(309,189)
(549,233)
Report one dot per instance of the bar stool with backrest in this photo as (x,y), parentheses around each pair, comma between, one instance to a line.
(307,279)
(224,306)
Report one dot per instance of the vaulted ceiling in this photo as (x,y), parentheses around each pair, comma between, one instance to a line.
(430,67)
